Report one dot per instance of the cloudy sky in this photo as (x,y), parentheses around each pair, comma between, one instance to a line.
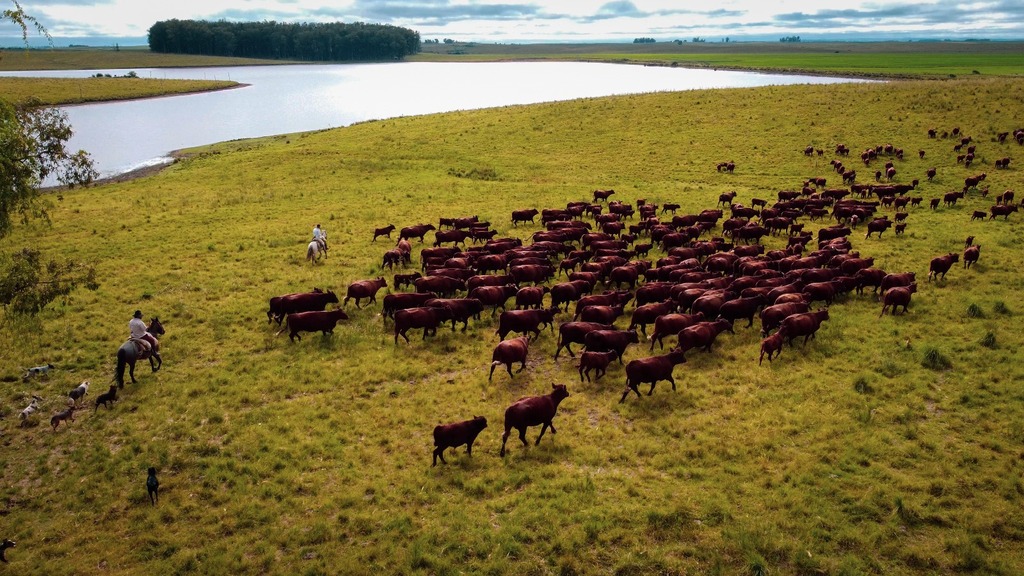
(558,21)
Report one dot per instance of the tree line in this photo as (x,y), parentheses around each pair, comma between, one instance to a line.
(328,42)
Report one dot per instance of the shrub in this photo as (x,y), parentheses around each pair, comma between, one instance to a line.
(975,311)
(935,360)
(1000,308)
(989,340)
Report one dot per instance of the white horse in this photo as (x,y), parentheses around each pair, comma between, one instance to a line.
(315,248)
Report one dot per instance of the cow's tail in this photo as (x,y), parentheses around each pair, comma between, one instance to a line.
(122,361)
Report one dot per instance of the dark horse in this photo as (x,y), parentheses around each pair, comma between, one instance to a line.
(128,353)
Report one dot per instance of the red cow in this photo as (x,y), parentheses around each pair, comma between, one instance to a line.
(461,309)
(598,361)
(531,297)
(455,435)
(418,231)
(508,352)
(1003,210)
(610,340)
(772,316)
(364,289)
(494,296)
(971,254)
(523,216)
(385,231)
(422,317)
(571,291)
(805,324)
(737,308)
(281,306)
(404,301)
(896,297)
(772,344)
(314,321)
(651,369)
(533,411)
(672,324)
(649,313)
(900,279)
(941,265)
(524,321)
(575,333)
(441,285)
(702,335)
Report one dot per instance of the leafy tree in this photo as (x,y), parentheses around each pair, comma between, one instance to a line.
(33,143)
(29,283)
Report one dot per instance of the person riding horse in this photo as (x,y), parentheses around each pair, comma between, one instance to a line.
(138,334)
(320,237)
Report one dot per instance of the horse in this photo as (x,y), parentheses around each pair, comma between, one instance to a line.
(315,247)
(129,352)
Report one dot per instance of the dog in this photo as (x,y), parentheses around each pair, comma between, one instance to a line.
(37,371)
(68,414)
(153,486)
(31,409)
(3,548)
(108,396)
(79,392)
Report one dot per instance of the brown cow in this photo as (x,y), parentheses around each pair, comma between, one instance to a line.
(441,285)
(533,411)
(598,361)
(523,216)
(772,316)
(737,308)
(531,297)
(421,317)
(418,231)
(494,296)
(649,313)
(461,309)
(385,231)
(702,335)
(455,435)
(610,340)
(1003,210)
(403,301)
(971,254)
(508,352)
(314,321)
(805,324)
(896,297)
(772,344)
(651,369)
(364,289)
(575,333)
(524,321)
(941,265)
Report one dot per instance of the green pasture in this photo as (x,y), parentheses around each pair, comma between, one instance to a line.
(128,58)
(889,59)
(886,445)
(60,91)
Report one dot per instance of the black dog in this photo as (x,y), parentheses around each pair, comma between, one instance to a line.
(108,396)
(153,486)
(3,548)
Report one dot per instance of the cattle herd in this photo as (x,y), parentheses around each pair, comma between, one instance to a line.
(588,266)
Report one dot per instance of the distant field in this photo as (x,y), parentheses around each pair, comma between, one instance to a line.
(59,91)
(124,59)
(855,58)
(886,445)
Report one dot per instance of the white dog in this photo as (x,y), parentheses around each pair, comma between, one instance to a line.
(37,371)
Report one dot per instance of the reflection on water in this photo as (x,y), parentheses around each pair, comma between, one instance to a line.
(122,136)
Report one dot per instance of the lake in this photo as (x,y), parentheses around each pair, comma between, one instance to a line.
(123,136)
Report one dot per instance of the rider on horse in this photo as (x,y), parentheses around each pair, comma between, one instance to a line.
(143,339)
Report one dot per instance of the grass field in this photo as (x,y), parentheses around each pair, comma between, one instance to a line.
(126,59)
(61,91)
(890,445)
(886,59)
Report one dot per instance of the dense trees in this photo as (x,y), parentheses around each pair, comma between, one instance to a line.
(314,42)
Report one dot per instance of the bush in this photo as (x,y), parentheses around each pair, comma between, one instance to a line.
(975,311)
(935,360)
(989,340)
